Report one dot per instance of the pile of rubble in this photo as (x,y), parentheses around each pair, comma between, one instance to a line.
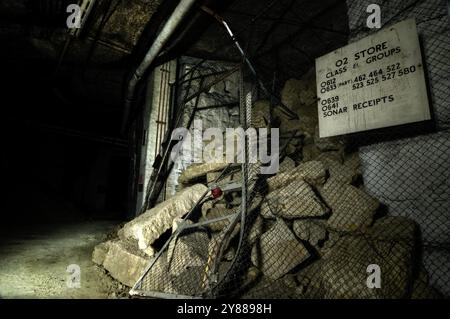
(126,256)
(314,235)
(324,234)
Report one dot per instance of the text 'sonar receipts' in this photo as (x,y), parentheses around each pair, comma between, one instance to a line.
(375,82)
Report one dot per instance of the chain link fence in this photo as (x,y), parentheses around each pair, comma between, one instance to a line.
(358,216)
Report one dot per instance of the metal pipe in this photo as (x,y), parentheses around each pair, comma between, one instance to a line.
(169,28)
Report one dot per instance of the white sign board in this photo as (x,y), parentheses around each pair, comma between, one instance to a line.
(375,82)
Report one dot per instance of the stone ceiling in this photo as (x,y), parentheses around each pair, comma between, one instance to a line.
(283,36)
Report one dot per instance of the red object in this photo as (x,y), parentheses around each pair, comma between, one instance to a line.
(216,192)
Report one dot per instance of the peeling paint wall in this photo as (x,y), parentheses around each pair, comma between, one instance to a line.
(218,107)
(157,93)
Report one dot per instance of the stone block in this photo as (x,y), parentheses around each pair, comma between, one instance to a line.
(268,209)
(312,172)
(233,177)
(256,230)
(217,212)
(309,281)
(352,208)
(310,152)
(345,266)
(296,200)
(99,253)
(338,171)
(261,114)
(124,262)
(303,126)
(301,94)
(195,171)
(286,165)
(278,251)
(309,230)
(353,162)
(149,226)
(330,157)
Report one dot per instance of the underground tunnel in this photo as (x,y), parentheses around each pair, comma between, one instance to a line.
(248,149)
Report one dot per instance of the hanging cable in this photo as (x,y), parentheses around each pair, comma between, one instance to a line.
(286,109)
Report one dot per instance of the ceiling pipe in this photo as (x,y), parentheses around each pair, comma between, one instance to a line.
(172,23)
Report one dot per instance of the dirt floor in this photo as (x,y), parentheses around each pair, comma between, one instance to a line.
(34,261)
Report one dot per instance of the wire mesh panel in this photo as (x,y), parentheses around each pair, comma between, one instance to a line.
(407,169)
(358,216)
(183,267)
